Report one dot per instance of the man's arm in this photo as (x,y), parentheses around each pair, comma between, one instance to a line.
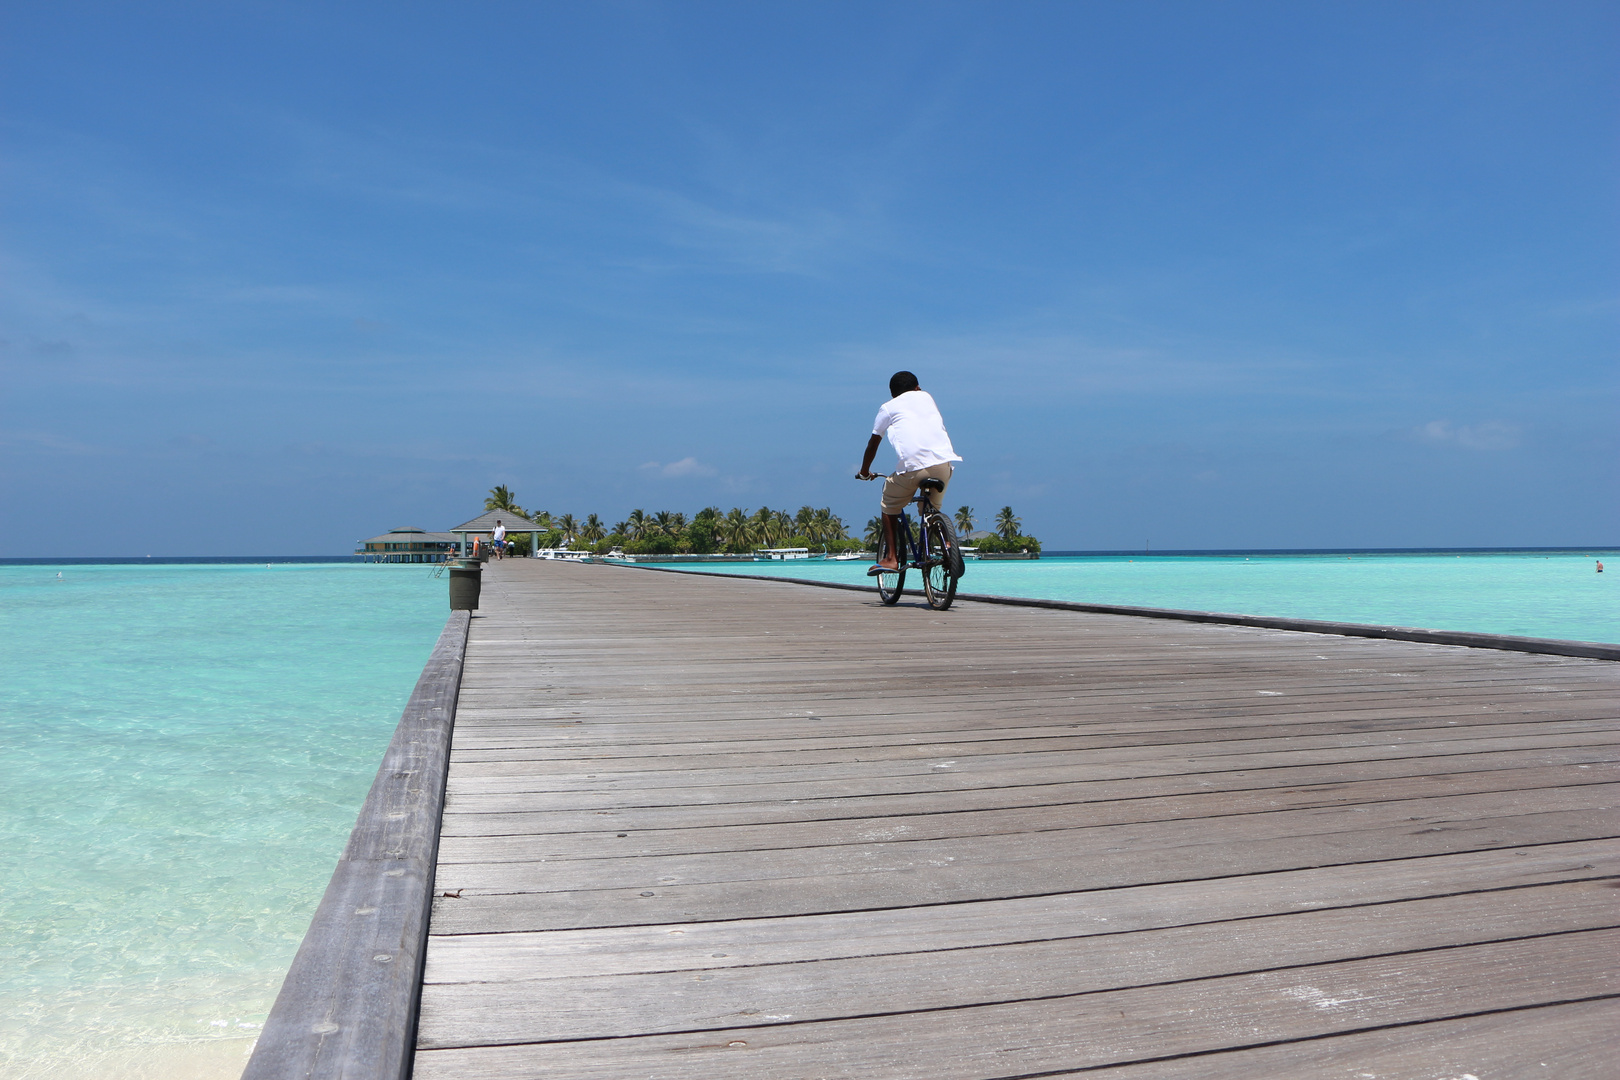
(872,445)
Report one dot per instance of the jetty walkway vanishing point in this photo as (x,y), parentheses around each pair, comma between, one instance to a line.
(700,827)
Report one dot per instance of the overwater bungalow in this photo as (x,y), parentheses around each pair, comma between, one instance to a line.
(409,545)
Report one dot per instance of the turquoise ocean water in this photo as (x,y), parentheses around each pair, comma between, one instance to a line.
(184,750)
(1530,594)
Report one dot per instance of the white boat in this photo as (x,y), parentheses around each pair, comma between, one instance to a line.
(847,556)
(775,554)
(562,554)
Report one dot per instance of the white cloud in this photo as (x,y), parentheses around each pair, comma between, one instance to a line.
(688,466)
(1490,435)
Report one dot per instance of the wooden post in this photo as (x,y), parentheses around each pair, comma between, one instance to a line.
(349,1004)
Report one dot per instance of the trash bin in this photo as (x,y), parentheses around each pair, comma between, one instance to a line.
(465,579)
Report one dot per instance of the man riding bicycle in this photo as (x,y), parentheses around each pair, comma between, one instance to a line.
(915,429)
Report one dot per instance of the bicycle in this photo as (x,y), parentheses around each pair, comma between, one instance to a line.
(932,549)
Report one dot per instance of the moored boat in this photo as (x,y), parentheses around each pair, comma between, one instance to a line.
(777,554)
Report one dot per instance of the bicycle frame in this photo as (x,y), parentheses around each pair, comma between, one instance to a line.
(916,543)
(916,552)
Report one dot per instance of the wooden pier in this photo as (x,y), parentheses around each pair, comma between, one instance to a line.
(701,828)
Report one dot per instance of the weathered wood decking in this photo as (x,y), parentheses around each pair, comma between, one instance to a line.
(702,828)
(348,1005)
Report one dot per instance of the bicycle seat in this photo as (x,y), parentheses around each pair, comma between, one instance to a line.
(932,484)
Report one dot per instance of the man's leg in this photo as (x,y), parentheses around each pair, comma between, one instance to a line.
(943,474)
(897,491)
(890,556)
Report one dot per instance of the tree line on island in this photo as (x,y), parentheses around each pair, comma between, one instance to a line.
(735,531)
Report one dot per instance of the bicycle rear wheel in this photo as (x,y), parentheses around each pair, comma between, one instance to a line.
(939,576)
(953,548)
(890,582)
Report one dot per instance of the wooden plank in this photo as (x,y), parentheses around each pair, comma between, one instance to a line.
(1089,1030)
(348,1007)
(1550,1041)
(1070,832)
(1516,770)
(541,739)
(702,827)
(693,945)
(660,890)
(1135,780)
(1021,754)
(1098,764)
(513,1008)
(947,821)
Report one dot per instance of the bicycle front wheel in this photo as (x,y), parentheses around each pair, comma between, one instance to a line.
(939,576)
(890,582)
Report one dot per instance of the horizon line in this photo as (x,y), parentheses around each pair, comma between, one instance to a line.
(116,560)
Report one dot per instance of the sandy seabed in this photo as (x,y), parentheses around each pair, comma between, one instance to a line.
(207,1059)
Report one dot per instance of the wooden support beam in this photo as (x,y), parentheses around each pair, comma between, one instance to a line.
(349,1004)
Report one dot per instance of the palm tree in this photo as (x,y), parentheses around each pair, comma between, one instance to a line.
(874,533)
(737,529)
(763,523)
(677,523)
(663,523)
(802,520)
(568,526)
(593,531)
(501,498)
(622,528)
(964,519)
(1007,524)
(784,525)
(636,526)
(816,528)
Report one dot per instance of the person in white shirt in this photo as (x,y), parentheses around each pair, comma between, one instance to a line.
(915,429)
(499,538)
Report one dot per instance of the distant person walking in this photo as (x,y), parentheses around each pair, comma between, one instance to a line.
(498,540)
(917,433)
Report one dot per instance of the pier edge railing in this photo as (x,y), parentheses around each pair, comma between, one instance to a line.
(1589,650)
(348,1007)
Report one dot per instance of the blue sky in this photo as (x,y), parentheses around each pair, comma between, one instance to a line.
(275,277)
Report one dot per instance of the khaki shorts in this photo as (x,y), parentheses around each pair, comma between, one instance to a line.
(900,487)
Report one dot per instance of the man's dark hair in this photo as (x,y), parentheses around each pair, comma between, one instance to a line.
(900,382)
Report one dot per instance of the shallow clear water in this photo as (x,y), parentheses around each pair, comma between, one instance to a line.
(1550,595)
(184,749)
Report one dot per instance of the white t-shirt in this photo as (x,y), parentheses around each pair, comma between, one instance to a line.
(915,430)
(500,533)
